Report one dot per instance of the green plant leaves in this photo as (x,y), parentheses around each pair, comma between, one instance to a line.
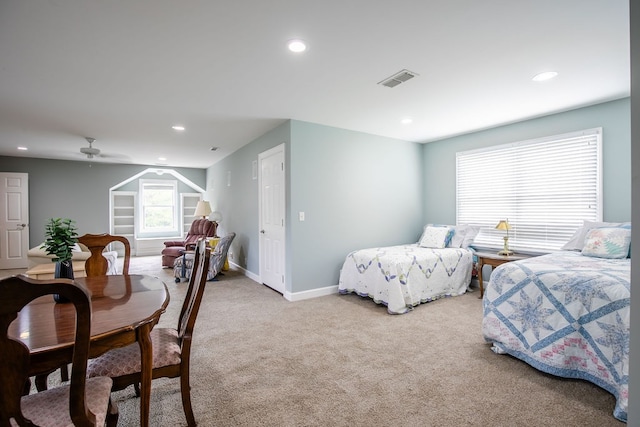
(61,235)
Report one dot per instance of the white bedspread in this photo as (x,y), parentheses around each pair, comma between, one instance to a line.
(402,277)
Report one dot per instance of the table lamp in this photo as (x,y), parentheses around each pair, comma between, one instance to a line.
(203,209)
(504,225)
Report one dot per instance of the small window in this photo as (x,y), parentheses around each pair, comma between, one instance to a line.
(545,188)
(158,214)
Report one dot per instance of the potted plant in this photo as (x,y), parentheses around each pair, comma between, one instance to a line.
(61,236)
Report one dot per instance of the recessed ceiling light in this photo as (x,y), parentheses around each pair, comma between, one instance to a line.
(177,127)
(162,159)
(296,46)
(406,121)
(544,76)
(22,148)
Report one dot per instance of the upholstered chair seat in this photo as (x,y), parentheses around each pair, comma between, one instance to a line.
(126,360)
(50,408)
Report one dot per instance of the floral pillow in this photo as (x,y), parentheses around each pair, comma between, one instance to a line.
(607,242)
(576,243)
(435,237)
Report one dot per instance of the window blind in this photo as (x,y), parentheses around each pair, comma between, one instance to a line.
(545,187)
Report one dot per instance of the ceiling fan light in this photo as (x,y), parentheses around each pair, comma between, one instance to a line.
(90,151)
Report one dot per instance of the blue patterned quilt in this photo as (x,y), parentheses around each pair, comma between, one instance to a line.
(564,314)
(401,277)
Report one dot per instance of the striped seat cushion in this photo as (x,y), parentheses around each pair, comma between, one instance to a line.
(126,360)
(50,408)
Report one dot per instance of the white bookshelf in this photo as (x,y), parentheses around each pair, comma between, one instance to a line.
(123,215)
(189,201)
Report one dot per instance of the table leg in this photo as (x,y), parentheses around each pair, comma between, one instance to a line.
(146,360)
(480,278)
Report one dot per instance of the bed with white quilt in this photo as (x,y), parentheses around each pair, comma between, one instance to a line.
(402,277)
(567,313)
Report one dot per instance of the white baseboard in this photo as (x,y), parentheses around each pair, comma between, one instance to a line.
(312,293)
(146,247)
(289,296)
(246,272)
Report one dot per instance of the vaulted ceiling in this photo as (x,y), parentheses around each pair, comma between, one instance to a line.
(124,72)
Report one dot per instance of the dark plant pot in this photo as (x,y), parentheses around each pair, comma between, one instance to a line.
(64,270)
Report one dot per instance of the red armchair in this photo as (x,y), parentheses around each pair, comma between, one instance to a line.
(200,228)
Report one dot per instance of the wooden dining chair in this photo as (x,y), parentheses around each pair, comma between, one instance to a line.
(171,347)
(83,402)
(97,264)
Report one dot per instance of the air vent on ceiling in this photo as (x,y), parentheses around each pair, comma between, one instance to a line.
(397,78)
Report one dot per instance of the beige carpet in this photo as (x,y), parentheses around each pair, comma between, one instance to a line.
(259,360)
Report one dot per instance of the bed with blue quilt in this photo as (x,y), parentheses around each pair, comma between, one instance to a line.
(402,277)
(565,314)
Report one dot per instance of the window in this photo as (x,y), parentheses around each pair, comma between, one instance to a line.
(158,213)
(544,187)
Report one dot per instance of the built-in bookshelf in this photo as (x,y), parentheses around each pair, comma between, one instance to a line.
(123,217)
(189,203)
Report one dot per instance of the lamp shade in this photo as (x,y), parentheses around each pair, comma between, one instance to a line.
(503,225)
(203,209)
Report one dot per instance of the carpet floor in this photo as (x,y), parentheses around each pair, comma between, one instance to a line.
(260,360)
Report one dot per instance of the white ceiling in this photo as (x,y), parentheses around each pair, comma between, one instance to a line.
(125,71)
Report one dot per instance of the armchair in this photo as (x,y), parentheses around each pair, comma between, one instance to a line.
(184,264)
(200,228)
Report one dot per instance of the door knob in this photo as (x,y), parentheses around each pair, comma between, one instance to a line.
(262,231)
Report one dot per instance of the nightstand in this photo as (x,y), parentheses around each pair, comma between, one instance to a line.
(494,260)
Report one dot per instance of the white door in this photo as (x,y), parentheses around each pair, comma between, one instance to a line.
(272,214)
(14,220)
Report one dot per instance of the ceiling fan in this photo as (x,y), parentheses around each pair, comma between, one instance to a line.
(90,151)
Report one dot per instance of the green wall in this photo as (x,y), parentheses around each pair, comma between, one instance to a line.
(439,158)
(355,189)
(238,202)
(77,190)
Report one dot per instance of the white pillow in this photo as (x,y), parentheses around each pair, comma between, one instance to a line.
(576,242)
(470,234)
(435,237)
(607,242)
(458,236)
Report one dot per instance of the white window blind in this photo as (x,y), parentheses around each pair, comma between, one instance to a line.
(545,188)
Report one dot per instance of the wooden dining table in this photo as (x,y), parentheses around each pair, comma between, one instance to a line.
(124,310)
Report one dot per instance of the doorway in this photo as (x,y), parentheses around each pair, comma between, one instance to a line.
(272,217)
(14,220)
